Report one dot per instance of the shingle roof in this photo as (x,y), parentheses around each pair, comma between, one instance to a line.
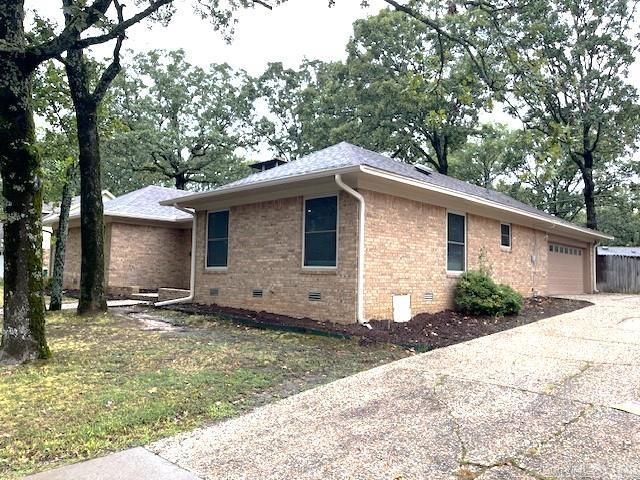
(145,203)
(345,154)
(622,251)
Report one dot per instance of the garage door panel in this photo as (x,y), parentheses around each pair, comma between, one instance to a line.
(565,269)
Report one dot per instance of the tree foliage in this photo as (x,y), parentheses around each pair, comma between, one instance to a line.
(179,122)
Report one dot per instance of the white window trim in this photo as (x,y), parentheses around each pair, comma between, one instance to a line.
(304,213)
(504,247)
(206,242)
(446,243)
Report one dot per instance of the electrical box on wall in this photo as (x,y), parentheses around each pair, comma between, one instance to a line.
(401,308)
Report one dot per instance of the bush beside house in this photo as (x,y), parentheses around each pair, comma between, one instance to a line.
(477,294)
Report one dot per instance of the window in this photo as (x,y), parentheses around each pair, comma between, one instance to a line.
(218,239)
(505,235)
(320,232)
(455,242)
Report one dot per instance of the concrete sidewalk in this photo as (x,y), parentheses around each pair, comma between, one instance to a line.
(525,404)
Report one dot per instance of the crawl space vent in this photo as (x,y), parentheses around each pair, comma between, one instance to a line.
(428,296)
(214,292)
(315,296)
(256,293)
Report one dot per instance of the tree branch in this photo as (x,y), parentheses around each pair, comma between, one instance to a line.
(114,67)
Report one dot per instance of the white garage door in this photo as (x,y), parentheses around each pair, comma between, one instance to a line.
(566,269)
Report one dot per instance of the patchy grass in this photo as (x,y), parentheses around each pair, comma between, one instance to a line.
(111,385)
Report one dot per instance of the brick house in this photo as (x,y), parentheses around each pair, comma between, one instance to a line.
(344,233)
(137,228)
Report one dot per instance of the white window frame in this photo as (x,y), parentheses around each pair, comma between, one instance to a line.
(304,215)
(206,242)
(446,245)
(505,247)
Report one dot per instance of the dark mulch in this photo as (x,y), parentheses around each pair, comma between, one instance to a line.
(425,332)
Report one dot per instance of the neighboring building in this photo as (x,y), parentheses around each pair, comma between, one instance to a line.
(49,211)
(147,246)
(618,269)
(287,240)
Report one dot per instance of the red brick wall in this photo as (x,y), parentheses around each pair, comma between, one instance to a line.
(265,252)
(136,255)
(406,254)
(148,256)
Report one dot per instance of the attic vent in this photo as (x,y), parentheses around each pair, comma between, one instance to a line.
(256,293)
(214,292)
(428,296)
(424,168)
(315,296)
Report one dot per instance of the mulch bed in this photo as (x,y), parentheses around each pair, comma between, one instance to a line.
(424,332)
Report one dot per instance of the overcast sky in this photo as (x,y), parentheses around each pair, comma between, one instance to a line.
(289,33)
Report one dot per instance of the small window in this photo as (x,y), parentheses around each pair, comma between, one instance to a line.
(551,248)
(505,235)
(456,237)
(321,232)
(218,239)
(579,253)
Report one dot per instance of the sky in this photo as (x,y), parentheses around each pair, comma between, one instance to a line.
(288,33)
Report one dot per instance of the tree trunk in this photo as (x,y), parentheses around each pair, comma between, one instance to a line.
(589,191)
(61,242)
(23,335)
(439,144)
(92,285)
(180,181)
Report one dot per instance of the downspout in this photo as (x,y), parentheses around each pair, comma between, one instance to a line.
(361,206)
(192,280)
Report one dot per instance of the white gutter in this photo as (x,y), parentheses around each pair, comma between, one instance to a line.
(360,298)
(192,280)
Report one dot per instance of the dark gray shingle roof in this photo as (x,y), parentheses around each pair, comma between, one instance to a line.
(345,155)
(144,203)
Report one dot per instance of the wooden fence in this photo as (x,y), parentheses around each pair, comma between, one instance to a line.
(618,274)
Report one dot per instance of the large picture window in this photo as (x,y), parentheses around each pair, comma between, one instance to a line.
(320,232)
(218,239)
(456,238)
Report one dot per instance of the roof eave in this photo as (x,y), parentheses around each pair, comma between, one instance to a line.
(199,197)
(482,201)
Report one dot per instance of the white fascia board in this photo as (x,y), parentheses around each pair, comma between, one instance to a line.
(253,186)
(482,201)
(50,221)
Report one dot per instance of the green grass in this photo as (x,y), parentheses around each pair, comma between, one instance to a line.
(111,385)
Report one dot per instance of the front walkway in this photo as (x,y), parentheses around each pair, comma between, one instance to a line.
(525,404)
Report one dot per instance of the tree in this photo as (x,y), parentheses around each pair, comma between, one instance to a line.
(87,99)
(415,94)
(496,154)
(563,71)
(23,335)
(180,122)
(59,147)
(300,107)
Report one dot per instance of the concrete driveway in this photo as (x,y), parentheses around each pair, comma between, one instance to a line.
(536,402)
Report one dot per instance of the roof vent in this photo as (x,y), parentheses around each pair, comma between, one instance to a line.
(424,168)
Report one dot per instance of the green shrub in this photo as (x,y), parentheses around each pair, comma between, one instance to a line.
(512,301)
(477,294)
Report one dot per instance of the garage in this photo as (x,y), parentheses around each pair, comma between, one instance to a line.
(566,269)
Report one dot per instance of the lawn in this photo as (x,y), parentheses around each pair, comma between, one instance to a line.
(112,385)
